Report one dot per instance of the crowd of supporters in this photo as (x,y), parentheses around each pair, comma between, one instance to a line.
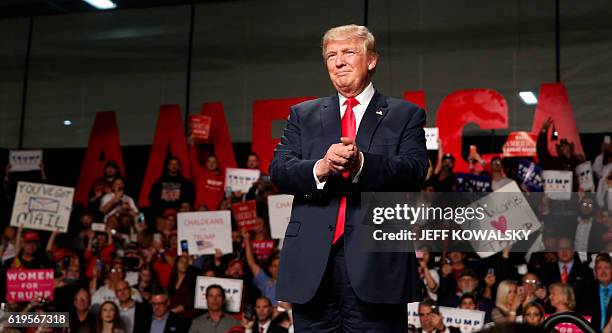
(129,277)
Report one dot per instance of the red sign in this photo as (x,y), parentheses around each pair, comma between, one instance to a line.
(520,144)
(569,327)
(199,127)
(262,249)
(245,214)
(23,285)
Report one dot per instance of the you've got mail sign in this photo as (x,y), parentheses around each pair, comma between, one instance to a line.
(42,206)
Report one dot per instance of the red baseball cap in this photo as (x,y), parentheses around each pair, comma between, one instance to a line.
(170,212)
(31,236)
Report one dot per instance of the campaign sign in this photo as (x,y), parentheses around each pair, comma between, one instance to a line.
(199,126)
(505,209)
(467,182)
(464,320)
(262,249)
(279,211)
(25,160)
(205,231)
(24,285)
(240,179)
(431,138)
(558,184)
(584,172)
(520,144)
(530,175)
(245,214)
(42,206)
(232,287)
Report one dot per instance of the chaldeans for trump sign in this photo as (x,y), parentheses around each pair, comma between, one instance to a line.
(42,206)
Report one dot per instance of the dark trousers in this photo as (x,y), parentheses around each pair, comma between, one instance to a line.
(336,308)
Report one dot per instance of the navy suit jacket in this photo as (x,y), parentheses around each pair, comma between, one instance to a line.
(392,140)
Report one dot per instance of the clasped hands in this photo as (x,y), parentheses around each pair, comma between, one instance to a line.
(340,157)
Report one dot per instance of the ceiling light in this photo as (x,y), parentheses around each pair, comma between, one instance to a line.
(102,4)
(67,122)
(528,97)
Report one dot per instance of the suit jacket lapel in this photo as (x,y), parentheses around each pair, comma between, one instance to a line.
(376,111)
(330,120)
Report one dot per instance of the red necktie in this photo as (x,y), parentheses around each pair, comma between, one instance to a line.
(564,274)
(349,129)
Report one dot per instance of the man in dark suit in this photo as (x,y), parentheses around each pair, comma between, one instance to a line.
(263,319)
(569,269)
(162,320)
(133,314)
(332,149)
(602,309)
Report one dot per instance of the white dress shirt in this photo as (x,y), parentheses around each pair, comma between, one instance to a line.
(364,99)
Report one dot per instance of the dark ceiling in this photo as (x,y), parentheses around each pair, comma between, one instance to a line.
(27,8)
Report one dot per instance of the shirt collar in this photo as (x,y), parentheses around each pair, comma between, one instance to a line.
(363,98)
(162,318)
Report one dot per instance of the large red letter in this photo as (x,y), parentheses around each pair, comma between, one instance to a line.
(103,146)
(553,102)
(264,113)
(485,107)
(416,97)
(219,135)
(169,138)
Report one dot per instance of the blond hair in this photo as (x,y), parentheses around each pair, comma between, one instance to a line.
(350,31)
(501,300)
(569,298)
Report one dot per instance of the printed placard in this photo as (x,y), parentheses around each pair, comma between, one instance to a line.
(584,173)
(245,214)
(205,231)
(232,287)
(279,211)
(520,144)
(467,182)
(431,138)
(530,175)
(240,179)
(262,249)
(510,211)
(199,127)
(558,184)
(464,320)
(42,206)
(23,285)
(25,160)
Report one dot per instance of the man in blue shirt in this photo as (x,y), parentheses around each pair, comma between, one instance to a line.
(603,292)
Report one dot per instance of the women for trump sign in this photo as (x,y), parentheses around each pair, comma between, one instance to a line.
(24,285)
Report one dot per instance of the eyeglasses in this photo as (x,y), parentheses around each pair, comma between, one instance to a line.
(116,270)
(531,281)
(587,204)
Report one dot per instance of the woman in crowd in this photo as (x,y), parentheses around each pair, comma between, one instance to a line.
(507,303)
(429,276)
(533,314)
(181,286)
(562,297)
(108,319)
(147,281)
